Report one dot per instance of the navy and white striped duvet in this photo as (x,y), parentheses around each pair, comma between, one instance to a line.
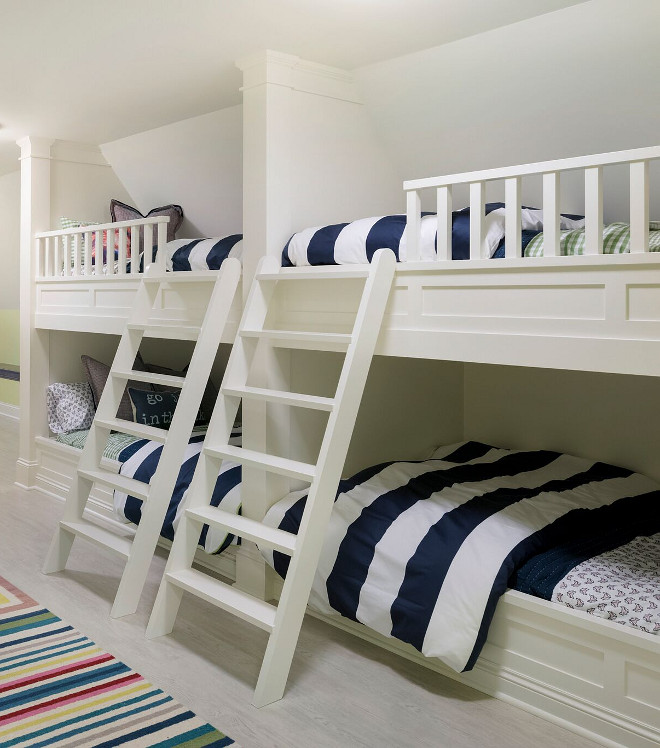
(357,241)
(140,460)
(202,254)
(422,551)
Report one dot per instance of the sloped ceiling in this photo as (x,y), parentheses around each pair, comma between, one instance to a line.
(94,71)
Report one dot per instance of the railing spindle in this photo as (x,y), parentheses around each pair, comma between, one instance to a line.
(135,250)
(639,206)
(413,226)
(593,210)
(444,225)
(121,270)
(45,256)
(87,244)
(148,247)
(477,218)
(551,235)
(512,226)
(161,240)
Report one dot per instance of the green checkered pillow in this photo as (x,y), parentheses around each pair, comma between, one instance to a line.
(616,241)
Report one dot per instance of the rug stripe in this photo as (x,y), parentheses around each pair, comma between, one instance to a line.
(58,688)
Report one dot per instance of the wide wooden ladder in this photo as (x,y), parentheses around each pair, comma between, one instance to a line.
(138,550)
(282,621)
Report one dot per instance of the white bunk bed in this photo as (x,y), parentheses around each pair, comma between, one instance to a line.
(590,313)
(594,313)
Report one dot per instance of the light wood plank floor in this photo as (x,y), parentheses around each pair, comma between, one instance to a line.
(342,691)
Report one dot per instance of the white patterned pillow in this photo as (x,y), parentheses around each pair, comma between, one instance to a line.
(70,407)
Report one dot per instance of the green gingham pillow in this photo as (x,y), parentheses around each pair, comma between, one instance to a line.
(616,241)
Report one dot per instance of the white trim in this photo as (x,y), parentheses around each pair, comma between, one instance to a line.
(281,69)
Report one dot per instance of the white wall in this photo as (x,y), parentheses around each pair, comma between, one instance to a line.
(10,206)
(608,417)
(340,170)
(196,163)
(580,80)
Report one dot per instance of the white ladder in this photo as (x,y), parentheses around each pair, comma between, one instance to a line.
(283,621)
(138,550)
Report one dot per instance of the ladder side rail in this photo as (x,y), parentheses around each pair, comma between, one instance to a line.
(202,484)
(92,453)
(169,464)
(332,456)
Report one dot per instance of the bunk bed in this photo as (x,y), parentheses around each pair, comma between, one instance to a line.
(586,671)
(591,312)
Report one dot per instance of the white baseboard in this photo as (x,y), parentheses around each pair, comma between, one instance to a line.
(10,411)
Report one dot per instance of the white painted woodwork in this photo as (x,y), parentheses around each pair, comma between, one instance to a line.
(156,495)
(512,202)
(34,343)
(444,227)
(477,218)
(413,207)
(551,214)
(593,210)
(639,206)
(324,478)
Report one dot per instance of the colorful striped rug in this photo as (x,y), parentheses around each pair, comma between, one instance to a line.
(57,688)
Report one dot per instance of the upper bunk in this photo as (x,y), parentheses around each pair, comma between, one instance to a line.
(79,288)
(594,311)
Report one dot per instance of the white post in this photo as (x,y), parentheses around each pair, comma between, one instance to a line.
(639,206)
(551,235)
(477,218)
(512,225)
(35,217)
(413,226)
(444,203)
(593,210)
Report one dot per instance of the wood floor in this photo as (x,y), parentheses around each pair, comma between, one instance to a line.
(342,691)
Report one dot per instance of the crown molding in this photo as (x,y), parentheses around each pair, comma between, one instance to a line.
(280,69)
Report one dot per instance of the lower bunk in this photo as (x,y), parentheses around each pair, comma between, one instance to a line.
(563,554)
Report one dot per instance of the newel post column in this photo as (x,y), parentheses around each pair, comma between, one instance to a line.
(34,344)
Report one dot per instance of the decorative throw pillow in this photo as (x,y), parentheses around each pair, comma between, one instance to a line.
(122,212)
(70,406)
(97,375)
(157,408)
(208,398)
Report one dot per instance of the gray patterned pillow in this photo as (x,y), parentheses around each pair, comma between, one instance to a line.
(122,212)
(97,374)
(70,406)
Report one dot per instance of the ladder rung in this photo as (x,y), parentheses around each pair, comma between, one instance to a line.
(133,428)
(329,341)
(340,273)
(280,465)
(126,485)
(167,380)
(167,332)
(99,536)
(285,398)
(258,532)
(228,598)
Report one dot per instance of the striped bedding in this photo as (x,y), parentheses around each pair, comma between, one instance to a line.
(357,241)
(202,254)
(422,551)
(140,460)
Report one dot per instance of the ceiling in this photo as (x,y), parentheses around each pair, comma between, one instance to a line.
(94,71)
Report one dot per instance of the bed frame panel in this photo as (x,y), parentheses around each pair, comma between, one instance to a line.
(103,304)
